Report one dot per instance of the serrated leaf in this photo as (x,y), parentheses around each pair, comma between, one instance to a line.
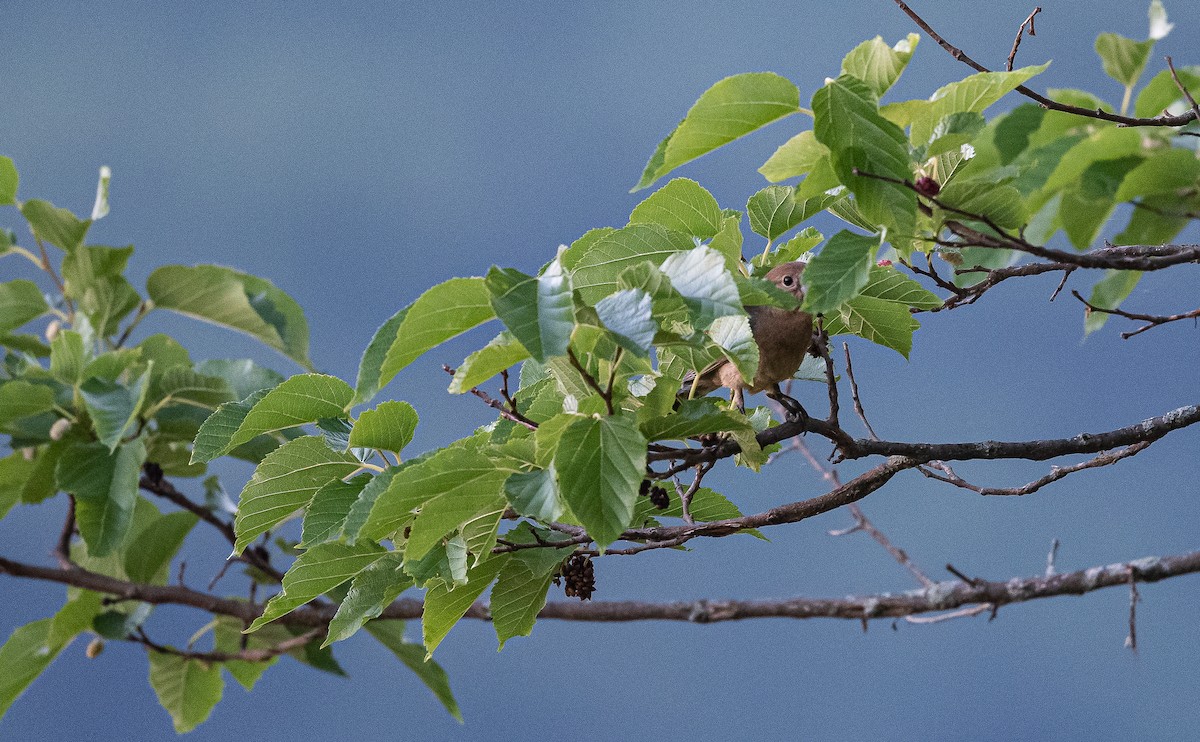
(535,494)
(388,427)
(1108,293)
(20,398)
(228,637)
(370,366)
(599,463)
(443,514)
(285,481)
(371,590)
(503,352)
(444,311)
(105,486)
(1123,59)
(839,272)
(877,64)
(302,399)
(188,689)
(883,322)
(152,548)
(20,301)
(1000,202)
(520,591)
(681,205)
(1167,171)
(694,417)
(973,94)
(537,310)
(315,572)
(628,315)
(326,513)
(597,271)
(452,473)
(444,606)
(243,376)
(847,122)
(774,210)
(113,407)
(734,337)
(236,300)
(57,226)
(891,285)
(795,157)
(414,656)
(727,111)
(702,279)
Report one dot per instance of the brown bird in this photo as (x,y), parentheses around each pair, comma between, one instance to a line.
(783,337)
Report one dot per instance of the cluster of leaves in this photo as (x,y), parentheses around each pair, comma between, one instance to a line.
(604,334)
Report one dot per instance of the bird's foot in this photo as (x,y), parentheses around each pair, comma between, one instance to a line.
(794,412)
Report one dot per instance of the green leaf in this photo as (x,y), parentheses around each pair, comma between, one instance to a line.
(797,156)
(599,463)
(1000,202)
(228,637)
(105,486)
(302,399)
(57,226)
(107,301)
(388,427)
(20,398)
(151,549)
(182,384)
(520,591)
(858,138)
(1123,59)
(326,513)
(315,572)
(371,590)
(28,651)
(25,343)
(728,242)
(445,606)
(8,193)
(113,407)
(701,278)
(242,376)
(735,339)
(706,506)
(444,311)
(1108,293)
(535,494)
(503,352)
(681,205)
(188,689)
(414,656)
(20,301)
(891,285)
(973,94)
(694,417)
(879,65)
(86,265)
(360,510)
(839,272)
(727,111)
(628,315)
(1166,171)
(15,471)
(284,482)
(1087,205)
(596,272)
(953,131)
(452,474)
(538,311)
(236,300)
(884,322)
(1162,92)
(774,210)
(371,364)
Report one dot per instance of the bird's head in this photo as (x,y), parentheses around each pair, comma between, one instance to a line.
(787,277)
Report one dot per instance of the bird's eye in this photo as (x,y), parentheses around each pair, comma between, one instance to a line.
(788,280)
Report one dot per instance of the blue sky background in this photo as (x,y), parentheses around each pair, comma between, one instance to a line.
(359,154)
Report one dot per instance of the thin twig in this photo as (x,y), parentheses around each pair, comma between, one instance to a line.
(1056,473)
(1048,103)
(1183,88)
(1012,55)
(858,408)
(590,380)
(1131,640)
(1151,320)
(506,413)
